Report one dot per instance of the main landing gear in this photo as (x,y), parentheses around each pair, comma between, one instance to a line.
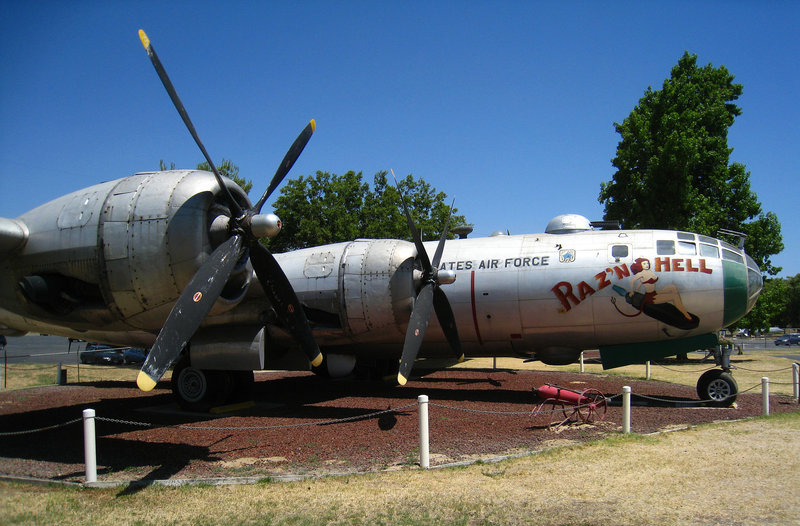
(201,389)
(717,386)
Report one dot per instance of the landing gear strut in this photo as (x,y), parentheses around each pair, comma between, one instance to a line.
(717,387)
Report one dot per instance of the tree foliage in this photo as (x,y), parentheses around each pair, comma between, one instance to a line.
(673,163)
(777,306)
(329,208)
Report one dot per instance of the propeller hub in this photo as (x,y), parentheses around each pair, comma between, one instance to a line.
(265,225)
(445,277)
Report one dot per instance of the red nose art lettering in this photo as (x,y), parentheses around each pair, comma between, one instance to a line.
(197,296)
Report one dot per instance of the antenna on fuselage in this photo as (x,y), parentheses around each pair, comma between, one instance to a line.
(738,236)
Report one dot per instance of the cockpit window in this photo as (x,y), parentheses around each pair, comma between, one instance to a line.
(685,236)
(709,251)
(732,256)
(665,247)
(706,239)
(687,249)
(728,246)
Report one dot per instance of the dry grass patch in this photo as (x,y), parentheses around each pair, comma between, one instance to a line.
(21,376)
(741,473)
(749,369)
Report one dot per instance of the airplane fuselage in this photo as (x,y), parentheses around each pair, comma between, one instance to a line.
(107,263)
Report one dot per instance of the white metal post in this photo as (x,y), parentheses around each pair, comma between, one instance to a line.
(626,409)
(89,449)
(647,370)
(796,381)
(764,396)
(424,445)
(582,361)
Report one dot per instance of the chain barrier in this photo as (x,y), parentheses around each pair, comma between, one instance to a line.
(517,413)
(29,431)
(681,370)
(217,428)
(255,428)
(353,418)
(766,371)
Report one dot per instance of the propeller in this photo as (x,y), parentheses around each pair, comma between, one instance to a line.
(430,297)
(245,227)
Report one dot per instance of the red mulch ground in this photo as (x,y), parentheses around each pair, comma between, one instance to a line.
(162,451)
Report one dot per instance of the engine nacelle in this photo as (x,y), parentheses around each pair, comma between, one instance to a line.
(119,251)
(154,232)
(377,287)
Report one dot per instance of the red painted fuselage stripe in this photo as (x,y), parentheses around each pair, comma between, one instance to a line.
(474,309)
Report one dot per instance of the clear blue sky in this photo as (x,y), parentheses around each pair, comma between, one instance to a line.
(508,106)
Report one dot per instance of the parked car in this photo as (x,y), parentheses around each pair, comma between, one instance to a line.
(101,354)
(789,339)
(134,355)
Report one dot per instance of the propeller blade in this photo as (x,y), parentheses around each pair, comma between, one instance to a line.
(189,311)
(176,101)
(421,252)
(281,294)
(417,325)
(437,256)
(444,313)
(288,161)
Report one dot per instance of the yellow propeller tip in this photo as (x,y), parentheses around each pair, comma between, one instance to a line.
(401,379)
(144,39)
(461,358)
(144,382)
(313,125)
(316,362)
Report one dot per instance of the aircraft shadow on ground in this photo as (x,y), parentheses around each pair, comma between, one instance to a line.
(64,444)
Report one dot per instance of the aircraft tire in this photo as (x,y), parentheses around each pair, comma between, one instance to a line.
(199,389)
(718,388)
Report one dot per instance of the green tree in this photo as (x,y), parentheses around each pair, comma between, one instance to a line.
(328,208)
(790,316)
(673,163)
(769,308)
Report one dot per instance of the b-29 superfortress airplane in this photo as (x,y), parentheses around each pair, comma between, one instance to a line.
(173,260)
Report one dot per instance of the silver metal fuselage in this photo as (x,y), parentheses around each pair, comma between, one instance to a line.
(107,264)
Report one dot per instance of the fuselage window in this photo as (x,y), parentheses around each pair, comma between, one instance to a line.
(732,256)
(619,251)
(709,251)
(686,249)
(665,247)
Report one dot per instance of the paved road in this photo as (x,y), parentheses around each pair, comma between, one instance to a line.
(41,349)
(53,349)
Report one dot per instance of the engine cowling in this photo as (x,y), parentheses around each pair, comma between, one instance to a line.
(154,233)
(120,251)
(377,287)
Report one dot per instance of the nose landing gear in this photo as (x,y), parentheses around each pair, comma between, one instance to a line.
(717,386)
